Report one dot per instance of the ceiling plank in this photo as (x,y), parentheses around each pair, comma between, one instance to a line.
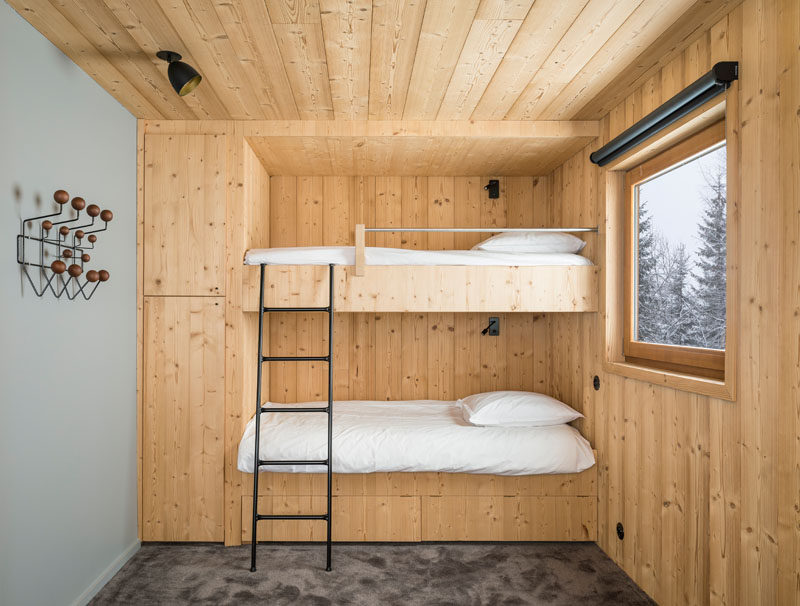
(293,11)
(594,26)
(396,26)
(151,30)
(249,29)
(539,33)
(106,34)
(669,44)
(503,9)
(486,44)
(637,33)
(347,30)
(55,27)
(303,52)
(203,35)
(445,27)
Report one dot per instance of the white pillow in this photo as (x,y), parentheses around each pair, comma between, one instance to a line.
(532,242)
(515,409)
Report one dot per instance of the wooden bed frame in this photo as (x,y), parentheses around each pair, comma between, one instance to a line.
(416,507)
(423,506)
(422,288)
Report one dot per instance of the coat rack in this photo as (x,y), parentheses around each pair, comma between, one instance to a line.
(62,276)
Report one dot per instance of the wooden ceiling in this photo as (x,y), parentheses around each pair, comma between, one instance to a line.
(373,59)
(335,147)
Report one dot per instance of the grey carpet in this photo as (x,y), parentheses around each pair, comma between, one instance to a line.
(385,574)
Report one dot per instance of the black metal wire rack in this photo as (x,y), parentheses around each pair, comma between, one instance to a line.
(257,461)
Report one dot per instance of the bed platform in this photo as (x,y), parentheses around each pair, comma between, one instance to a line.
(429,506)
(371,279)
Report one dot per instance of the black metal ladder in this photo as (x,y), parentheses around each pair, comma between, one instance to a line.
(257,461)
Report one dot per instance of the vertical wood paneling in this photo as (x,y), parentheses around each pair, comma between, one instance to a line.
(788,442)
(707,489)
(184,387)
(185,184)
(394,356)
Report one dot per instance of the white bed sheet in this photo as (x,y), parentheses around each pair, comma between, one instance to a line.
(421,435)
(346,255)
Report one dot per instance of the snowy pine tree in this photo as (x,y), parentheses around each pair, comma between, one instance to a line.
(647,280)
(678,314)
(709,272)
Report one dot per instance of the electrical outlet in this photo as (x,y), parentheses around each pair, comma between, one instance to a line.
(494,326)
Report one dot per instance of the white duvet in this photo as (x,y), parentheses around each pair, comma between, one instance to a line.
(346,255)
(421,435)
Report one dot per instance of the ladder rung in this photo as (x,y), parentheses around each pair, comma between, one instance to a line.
(271,516)
(267,462)
(295,358)
(269,309)
(271,409)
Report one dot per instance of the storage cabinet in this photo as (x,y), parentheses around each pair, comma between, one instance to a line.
(184,214)
(183,419)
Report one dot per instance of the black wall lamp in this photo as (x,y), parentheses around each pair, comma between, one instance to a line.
(183,77)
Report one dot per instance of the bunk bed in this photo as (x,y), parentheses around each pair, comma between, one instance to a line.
(552,468)
(368,279)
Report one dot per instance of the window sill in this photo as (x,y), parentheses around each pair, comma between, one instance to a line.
(675,380)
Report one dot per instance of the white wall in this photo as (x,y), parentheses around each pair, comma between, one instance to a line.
(67,369)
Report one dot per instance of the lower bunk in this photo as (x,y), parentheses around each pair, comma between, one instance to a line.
(404,480)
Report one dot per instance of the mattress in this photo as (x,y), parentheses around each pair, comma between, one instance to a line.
(408,436)
(346,255)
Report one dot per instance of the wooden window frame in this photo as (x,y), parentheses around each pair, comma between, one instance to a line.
(612,243)
(691,360)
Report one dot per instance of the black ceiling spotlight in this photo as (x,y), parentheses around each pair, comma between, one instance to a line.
(183,77)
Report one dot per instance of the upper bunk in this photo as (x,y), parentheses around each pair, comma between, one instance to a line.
(375,279)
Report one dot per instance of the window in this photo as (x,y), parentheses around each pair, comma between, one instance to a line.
(675,257)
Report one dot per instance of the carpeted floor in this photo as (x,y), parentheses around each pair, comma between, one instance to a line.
(385,574)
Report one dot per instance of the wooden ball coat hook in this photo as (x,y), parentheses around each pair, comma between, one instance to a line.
(60,264)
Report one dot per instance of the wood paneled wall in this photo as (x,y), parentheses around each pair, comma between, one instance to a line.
(184,418)
(405,356)
(709,490)
(181,283)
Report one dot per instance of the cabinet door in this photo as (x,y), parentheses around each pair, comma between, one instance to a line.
(183,419)
(184,214)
